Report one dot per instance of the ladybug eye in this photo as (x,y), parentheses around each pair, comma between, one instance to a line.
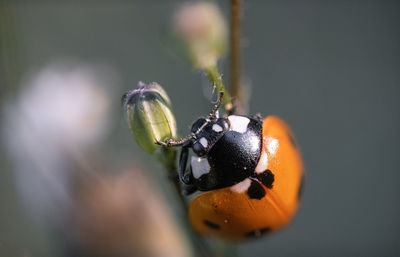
(197,124)
(220,125)
(200,147)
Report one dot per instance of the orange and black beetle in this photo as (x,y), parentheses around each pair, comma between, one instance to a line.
(250,169)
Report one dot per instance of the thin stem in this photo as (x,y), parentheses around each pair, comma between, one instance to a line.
(169,161)
(235,55)
(216,79)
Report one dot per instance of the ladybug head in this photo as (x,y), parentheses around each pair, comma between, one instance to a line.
(206,132)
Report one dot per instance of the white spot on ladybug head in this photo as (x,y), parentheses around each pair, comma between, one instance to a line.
(262,163)
(200,166)
(203,141)
(272,145)
(217,128)
(242,186)
(238,123)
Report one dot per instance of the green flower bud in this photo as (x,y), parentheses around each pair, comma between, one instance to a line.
(201,29)
(149,115)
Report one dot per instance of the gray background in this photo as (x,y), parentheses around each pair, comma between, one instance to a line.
(330,68)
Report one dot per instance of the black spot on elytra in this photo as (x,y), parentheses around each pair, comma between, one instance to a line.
(301,187)
(267,178)
(292,140)
(257,233)
(211,224)
(255,191)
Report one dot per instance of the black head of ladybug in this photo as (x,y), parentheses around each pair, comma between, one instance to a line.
(205,133)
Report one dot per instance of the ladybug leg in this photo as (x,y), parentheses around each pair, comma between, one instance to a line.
(189,189)
(217,114)
(185,178)
(214,113)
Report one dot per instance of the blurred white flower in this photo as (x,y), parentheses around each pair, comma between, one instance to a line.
(61,111)
(51,130)
(67,104)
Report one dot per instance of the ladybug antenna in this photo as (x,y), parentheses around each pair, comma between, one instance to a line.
(171,142)
(185,140)
(214,113)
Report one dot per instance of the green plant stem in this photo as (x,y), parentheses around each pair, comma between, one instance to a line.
(169,162)
(216,79)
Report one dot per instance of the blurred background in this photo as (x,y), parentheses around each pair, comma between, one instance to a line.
(331,69)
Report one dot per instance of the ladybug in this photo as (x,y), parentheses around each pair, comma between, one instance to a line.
(250,170)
